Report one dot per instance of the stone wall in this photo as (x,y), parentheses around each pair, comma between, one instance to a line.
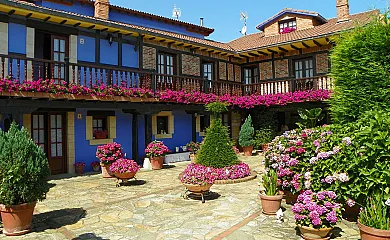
(281,68)
(322,63)
(230,72)
(237,73)
(190,65)
(266,70)
(222,71)
(149,58)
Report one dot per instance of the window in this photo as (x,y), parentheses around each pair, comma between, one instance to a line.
(251,75)
(162,125)
(165,66)
(291,24)
(99,127)
(207,69)
(304,68)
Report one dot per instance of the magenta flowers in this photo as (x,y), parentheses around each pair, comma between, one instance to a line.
(123,165)
(156,149)
(197,174)
(317,210)
(109,153)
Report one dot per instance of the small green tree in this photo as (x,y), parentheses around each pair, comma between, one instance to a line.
(245,139)
(24,168)
(217,149)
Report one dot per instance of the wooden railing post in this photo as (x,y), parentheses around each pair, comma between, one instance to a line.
(206,85)
(153,80)
(293,82)
(66,71)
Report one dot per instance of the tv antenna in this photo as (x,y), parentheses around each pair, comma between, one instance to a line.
(176,13)
(243,16)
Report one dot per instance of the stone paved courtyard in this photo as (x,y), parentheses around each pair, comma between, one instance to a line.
(90,207)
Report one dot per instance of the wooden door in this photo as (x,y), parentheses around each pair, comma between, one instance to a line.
(59,52)
(48,131)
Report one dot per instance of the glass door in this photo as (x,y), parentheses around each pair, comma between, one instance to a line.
(59,52)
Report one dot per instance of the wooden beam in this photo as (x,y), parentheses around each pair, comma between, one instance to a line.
(305,45)
(152,38)
(327,40)
(282,49)
(295,47)
(91,27)
(162,40)
(63,22)
(210,50)
(46,19)
(29,15)
(254,55)
(11,12)
(104,29)
(180,44)
(217,52)
(242,55)
(317,43)
(272,51)
(77,24)
(223,54)
(194,48)
(117,31)
(128,34)
(263,53)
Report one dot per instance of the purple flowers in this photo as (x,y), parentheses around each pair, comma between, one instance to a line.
(319,207)
(347,141)
(317,143)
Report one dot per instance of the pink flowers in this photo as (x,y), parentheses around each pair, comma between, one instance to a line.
(156,149)
(109,153)
(320,208)
(193,147)
(301,150)
(197,174)
(123,165)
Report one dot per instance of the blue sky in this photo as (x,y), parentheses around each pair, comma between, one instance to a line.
(224,15)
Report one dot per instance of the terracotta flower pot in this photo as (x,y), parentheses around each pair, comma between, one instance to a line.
(79,170)
(106,173)
(310,233)
(351,213)
(248,151)
(270,204)
(125,176)
(290,197)
(196,189)
(193,158)
(157,162)
(368,233)
(264,147)
(96,168)
(17,218)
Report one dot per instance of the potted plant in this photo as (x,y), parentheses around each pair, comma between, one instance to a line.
(107,154)
(24,169)
(374,220)
(245,139)
(193,147)
(79,167)
(270,199)
(156,151)
(316,214)
(95,166)
(100,134)
(262,138)
(124,169)
(198,179)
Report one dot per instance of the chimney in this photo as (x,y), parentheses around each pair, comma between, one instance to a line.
(201,22)
(102,8)
(342,10)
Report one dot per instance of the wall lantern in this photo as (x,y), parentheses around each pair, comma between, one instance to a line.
(110,38)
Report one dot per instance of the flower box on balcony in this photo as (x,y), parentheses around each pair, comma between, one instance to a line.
(100,134)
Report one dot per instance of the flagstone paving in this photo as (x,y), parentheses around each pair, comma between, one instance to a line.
(90,207)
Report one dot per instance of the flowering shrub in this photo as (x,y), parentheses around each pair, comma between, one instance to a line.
(193,147)
(101,90)
(95,164)
(197,174)
(237,171)
(317,210)
(79,164)
(124,165)
(156,149)
(109,153)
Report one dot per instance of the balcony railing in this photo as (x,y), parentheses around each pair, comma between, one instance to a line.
(22,68)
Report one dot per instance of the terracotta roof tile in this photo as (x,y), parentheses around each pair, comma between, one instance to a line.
(258,40)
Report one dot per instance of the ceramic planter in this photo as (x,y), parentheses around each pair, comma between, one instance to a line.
(79,170)
(196,189)
(125,176)
(248,151)
(17,218)
(96,168)
(193,158)
(106,173)
(157,162)
(309,233)
(290,197)
(270,204)
(369,233)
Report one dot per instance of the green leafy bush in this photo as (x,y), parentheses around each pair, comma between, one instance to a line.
(270,180)
(361,71)
(245,139)
(24,168)
(376,214)
(263,136)
(310,118)
(217,149)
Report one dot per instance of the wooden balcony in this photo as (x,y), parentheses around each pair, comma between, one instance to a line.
(22,68)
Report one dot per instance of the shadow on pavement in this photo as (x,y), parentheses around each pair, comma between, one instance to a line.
(57,219)
(89,236)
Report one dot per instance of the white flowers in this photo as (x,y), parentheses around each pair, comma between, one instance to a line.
(307,184)
(342,177)
(387,202)
(307,175)
(347,141)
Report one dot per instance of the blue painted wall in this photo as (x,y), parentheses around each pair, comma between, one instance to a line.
(17,38)
(86,153)
(132,19)
(76,7)
(183,130)
(86,51)
(108,54)
(129,56)
(141,138)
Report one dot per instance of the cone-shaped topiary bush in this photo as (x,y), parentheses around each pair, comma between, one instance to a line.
(245,139)
(217,149)
(24,168)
